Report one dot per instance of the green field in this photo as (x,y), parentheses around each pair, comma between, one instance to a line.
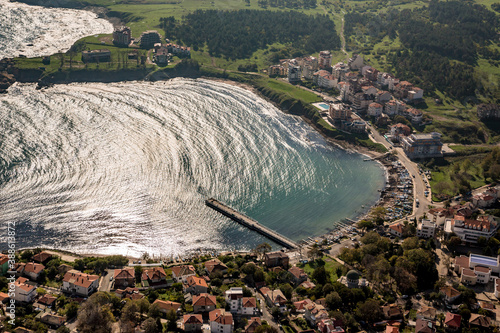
(330,266)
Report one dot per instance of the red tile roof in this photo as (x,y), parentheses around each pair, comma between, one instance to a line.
(125,273)
(452,320)
(193,281)
(32,267)
(167,305)
(221,316)
(192,319)
(183,270)
(41,257)
(249,302)
(79,279)
(450,291)
(204,300)
(478,320)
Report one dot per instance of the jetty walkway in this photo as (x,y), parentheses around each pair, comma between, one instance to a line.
(250,223)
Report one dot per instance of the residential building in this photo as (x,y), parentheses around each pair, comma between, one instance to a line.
(402,88)
(178,50)
(479,321)
(415,115)
(130,293)
(450,294)
(167,306)
(4,264)
(375,109)
(483,200)
(356,62)
(423,145)
(415,94)
(391,108)
(308,72)
(249,306)
(428,313)
(192,323)
(122,36)
(24,292)
(383,96)
(452,321)
(234,297)
(391,329)
(325,60)
(204,303)
(298,275)
(399,131)
(425,326)
(426,229)
(312,62)
(497,288)
(215,266)
(328,325)
(315,313)
(51,319)
(78,283)
(470,230)
(252,325)
(33,270)
(300,306)
(42,257)
(353,125)
(181,273)
(45,302)
(338,112)
(339,70)
(154,277)
(392,312)
(277,70)
(475,260)
(324,79)
(149,39)
(124,277)
(294,73)
(396,229)
(220,321)
(274,298)
(162,56)
(278,258)
(100,55)
(195,285)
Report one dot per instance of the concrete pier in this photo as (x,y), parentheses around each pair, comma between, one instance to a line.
(250,223)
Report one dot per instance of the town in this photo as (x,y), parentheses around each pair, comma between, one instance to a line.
(410,265)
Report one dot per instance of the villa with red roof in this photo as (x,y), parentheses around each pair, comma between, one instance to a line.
(470,230)
(78,283)
(252,325)
(204,303)
(192,322)
(452,321)
(298,275)
(396,229)
(124,277)
(154,277)
(181,273)
(23,291)
(42,257)
(220,321)
(167,306)
(195,285)
(32,270)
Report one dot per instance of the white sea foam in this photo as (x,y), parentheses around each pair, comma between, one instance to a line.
(49,30)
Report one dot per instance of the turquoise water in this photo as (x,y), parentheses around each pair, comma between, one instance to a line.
(324,106)
(125,168)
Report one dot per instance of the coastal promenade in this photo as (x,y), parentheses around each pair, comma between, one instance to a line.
(250,223)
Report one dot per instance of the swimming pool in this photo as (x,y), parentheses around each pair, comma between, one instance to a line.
(323,106)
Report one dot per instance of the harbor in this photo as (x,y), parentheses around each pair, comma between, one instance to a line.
(250,223)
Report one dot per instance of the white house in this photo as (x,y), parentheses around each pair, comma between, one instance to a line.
(23,292)
(356,62)
(324,79)
(220,321)
(374,109)
(396,229)
(249,306)
(483,200)
(234,297)
(181,273)
(78,283)
(470,230)
(415,115)
(426,229)
(33,270)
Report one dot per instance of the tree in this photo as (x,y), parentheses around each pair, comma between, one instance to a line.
(154,311)
(172,321)
(262,249)
(150,326)
(95,316)
(143,306)
(369,311)
(333,301)
(287,290)
(315,253)
(320,275)
(138,274)
(71,310)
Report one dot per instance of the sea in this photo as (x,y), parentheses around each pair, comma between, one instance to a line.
(125,168)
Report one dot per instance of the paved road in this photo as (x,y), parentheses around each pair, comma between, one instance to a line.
(105,283)
(419,184)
